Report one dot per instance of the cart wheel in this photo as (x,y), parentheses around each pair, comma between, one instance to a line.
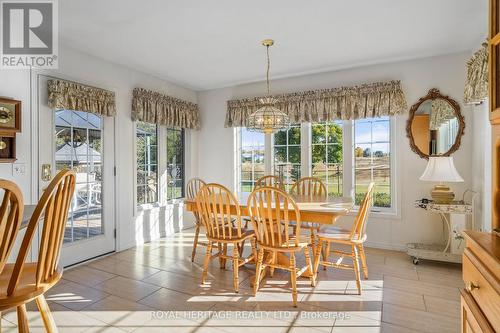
(415,261)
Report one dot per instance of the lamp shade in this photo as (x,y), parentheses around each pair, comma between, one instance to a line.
(441,169)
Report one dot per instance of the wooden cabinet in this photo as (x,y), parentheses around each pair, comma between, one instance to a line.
(494,100)
(481,274)
(494,60)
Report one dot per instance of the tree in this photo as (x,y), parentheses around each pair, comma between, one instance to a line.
(331,135)
(378,153)
(367,152)
(358,152)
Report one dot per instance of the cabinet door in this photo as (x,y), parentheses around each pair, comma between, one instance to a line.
(494,60)
(473,320)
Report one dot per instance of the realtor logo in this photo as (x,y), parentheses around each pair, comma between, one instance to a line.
(29,34)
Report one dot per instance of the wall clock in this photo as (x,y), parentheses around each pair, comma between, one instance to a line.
(10,115)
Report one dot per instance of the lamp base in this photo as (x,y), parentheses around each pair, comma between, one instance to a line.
(442,194)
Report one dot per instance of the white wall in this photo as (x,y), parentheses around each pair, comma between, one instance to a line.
(87,69)
(447,73)
(481,165)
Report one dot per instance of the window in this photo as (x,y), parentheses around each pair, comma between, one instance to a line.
(326,155)
(251,158)
(175,163)
(147,163)
(372,159)
(160,151)
(287,155)
(346,155)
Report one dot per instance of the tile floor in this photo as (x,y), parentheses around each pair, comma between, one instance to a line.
(156,288)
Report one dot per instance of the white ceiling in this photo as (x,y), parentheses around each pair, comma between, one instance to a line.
(206,44)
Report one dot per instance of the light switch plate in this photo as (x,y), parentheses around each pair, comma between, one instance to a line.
(18,169)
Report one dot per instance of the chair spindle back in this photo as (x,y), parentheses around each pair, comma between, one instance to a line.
(269,209)
(193,187)
(310,186)
(214,202)
(359,227)
(11,215)
(269,180)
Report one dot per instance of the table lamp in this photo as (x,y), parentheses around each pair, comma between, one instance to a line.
(441,169)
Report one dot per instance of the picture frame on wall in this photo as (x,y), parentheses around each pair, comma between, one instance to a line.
(10,115)
(7,147)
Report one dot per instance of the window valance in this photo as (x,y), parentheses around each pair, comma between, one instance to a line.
(73,96)
(476,83)
(156,108)
(345,103)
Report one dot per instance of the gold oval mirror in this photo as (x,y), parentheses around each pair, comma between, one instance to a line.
(435,126)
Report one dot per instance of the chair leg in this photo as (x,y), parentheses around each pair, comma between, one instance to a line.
(253,242)
(224,252)
(206,263)
(326,253)
(313,241)
(258,271)
(220,248)
(363,260)
(48,319)
(195,242)
(355,263)
(236,264)
(317,256)
(310,266)
(241,248)
(274,257)
(22,319)
(293,278)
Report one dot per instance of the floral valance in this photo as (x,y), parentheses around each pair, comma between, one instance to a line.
(476,84)
(156,108)
(73,96)
(345,103)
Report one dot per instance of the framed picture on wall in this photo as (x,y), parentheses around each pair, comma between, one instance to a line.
(7,147)
(10,115)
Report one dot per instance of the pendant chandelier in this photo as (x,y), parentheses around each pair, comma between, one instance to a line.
(268,119)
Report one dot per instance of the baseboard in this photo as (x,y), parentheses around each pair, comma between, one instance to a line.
(387,246)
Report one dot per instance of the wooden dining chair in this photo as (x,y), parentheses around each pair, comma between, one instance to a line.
(223,228)
(310,186)
(22,282)
(192,188)
(269,209)
(354,238)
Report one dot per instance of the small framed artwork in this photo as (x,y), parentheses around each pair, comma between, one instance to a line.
(10,115)
(7,147)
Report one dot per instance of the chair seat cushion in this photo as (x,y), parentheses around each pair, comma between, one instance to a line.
(307,225)
(290,245)
(334,233)
(245,233)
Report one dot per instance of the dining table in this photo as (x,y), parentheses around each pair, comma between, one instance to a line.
(316,209)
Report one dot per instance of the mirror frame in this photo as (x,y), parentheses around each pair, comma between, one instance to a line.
(433,94)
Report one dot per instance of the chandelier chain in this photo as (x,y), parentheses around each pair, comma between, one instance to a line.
(267,73)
